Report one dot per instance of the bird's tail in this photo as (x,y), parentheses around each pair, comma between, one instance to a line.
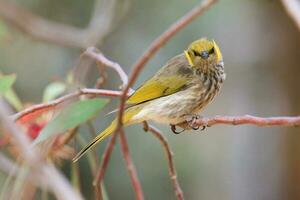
(129,113)
(97,139)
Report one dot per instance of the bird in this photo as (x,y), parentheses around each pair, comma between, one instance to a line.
(177,93)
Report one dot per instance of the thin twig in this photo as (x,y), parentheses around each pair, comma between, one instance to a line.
(172,170)
(47,174)
(248,119)
(130,167)
(38,109)
(104,162)
(61,34)
(157,44)
(292,7)
(97,55)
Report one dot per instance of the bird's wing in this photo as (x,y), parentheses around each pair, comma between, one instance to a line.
(155,88)
(167,81)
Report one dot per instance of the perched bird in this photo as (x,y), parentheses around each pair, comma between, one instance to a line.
(179,90)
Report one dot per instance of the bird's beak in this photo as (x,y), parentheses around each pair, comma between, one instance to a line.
(188,57)
(218,52)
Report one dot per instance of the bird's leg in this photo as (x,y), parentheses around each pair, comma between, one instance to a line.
(191,121)
(173,128)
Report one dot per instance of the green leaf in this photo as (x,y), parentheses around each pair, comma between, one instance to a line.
(6,82)
(13,99)
(8,92)
(53,90)
(71,116)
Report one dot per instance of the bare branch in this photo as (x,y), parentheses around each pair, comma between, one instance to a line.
(104,162)
(130,167)
(248,119)
(61,34)
(101,59)
(97,55)
(46,173)
(38,109)
(292,7)
(172,171)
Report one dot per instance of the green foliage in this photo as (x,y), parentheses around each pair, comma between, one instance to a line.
(13,99)
(6,82)
(53,90)
(72,116)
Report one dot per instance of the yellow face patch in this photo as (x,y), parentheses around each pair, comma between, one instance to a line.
(217,52)
(188,57)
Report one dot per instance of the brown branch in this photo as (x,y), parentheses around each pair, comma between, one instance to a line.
(172,170)
(104,162)
(97,55)
(157,44)
(46,173)
(248,119)
(292,7)
(38,109)
(130,167)
(62,34)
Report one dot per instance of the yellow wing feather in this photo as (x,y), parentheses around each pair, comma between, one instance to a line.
(155,88)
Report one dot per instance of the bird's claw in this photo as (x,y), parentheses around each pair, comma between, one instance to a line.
(189,123)
(173,128)
(192,119)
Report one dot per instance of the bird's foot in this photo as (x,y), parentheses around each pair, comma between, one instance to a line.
(174,129)
(191,120)
(189,123)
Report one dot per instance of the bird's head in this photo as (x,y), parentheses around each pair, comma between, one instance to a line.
(204,53)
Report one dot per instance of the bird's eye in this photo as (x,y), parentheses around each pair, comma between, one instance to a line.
(204,54)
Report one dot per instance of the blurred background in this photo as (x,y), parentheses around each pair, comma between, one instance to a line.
(261,50)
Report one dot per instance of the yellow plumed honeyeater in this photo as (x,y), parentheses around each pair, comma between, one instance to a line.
(182,87)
